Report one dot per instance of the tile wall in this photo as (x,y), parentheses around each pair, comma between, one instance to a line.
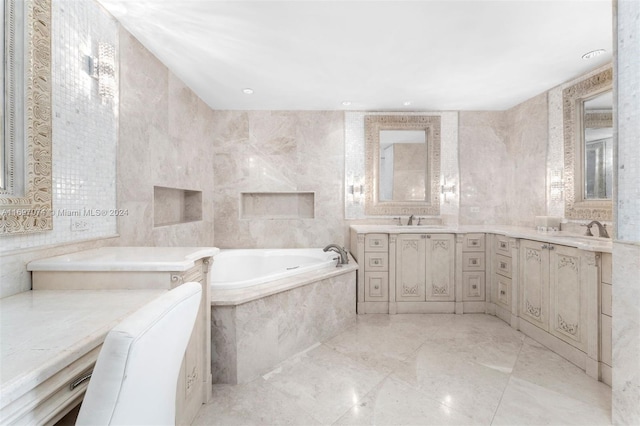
(85,130)
(626,249)
(278,151)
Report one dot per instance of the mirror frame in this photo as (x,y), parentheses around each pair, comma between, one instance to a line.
(373,124)
(32,211)
(573,97)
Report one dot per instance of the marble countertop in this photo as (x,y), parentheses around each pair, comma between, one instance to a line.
(42,332)
(125,259)
(560,237)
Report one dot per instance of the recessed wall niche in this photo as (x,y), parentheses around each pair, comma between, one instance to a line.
(173,206)
(277,205)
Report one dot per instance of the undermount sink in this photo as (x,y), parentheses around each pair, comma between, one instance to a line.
(584,238)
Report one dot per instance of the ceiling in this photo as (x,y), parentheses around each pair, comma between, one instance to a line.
(378,55)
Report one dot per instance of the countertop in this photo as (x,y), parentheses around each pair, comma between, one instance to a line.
(41,332)
(559,237)
(125,259)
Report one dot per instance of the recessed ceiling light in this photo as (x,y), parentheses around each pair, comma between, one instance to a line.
(346,103)
(593,53)
(247,91)
(406,103)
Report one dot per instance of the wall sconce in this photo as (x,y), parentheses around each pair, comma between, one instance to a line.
(103,69)
(357,192)
(556,185)
(449,189)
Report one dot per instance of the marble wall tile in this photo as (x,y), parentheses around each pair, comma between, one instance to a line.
(164,141)
(528,134)
(485,167)
(278,151)
(626,251)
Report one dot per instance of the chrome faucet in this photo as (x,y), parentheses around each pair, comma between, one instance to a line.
(602,229)
(344,257)
(410,222)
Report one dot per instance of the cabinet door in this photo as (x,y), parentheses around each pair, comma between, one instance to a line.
(440,264)
(410,267)
(534,283)
(568,302)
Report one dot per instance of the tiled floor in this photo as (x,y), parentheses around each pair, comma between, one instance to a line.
(418,370)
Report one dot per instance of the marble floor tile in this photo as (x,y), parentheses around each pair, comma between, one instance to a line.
(418,370)
(324,382)
(253,403)
(526,403)
(394,402)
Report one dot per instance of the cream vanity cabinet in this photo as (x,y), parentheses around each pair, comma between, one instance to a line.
(553,290)
(111,268)
(424,268)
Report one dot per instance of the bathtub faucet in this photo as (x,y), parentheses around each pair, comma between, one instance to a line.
(344,258)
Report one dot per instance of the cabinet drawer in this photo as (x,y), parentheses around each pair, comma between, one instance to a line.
(503,265)
(376,261)
(376,242)
(473,286)
(473,242)
(376,287)
(502,245)
(503,290)
(54,397)
(473,261)
(606,299)
(605,344)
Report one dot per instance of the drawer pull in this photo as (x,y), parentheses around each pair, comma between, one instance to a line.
(376,262)
(503,245)
(428,236)
(544,246)
(503,265)
(474,286)
(376,243)
(376,287)
(474,243)
(474,261)
(80,380)
(502,292)
(423,236)
(551,247)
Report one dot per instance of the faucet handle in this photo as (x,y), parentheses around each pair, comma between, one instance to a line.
(588,233)
(399,219)
(420,220)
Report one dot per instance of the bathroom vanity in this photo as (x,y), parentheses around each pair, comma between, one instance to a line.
(113,277)
(554,287)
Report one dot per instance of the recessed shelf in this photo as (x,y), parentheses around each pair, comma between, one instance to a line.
(173,206)
(277,205)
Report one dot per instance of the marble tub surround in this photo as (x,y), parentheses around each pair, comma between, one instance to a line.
(417,369)
(42,332)
(254,329)
(278,151)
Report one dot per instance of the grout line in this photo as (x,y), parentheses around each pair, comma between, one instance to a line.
(508,382)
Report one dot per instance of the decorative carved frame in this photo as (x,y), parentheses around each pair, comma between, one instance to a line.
(32,212)
(373,124)
(575,206)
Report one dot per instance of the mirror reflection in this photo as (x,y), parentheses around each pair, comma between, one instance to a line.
(598,147)
(403,165)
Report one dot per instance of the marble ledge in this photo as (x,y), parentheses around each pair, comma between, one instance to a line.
(234,297)
(126,259)
(42,331)
(603,245)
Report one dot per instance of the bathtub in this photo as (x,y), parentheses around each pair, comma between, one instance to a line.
(270,304)
(240,268)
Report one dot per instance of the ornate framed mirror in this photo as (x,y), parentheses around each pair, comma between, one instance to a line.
(588,140)
(27,207)
(402,164)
